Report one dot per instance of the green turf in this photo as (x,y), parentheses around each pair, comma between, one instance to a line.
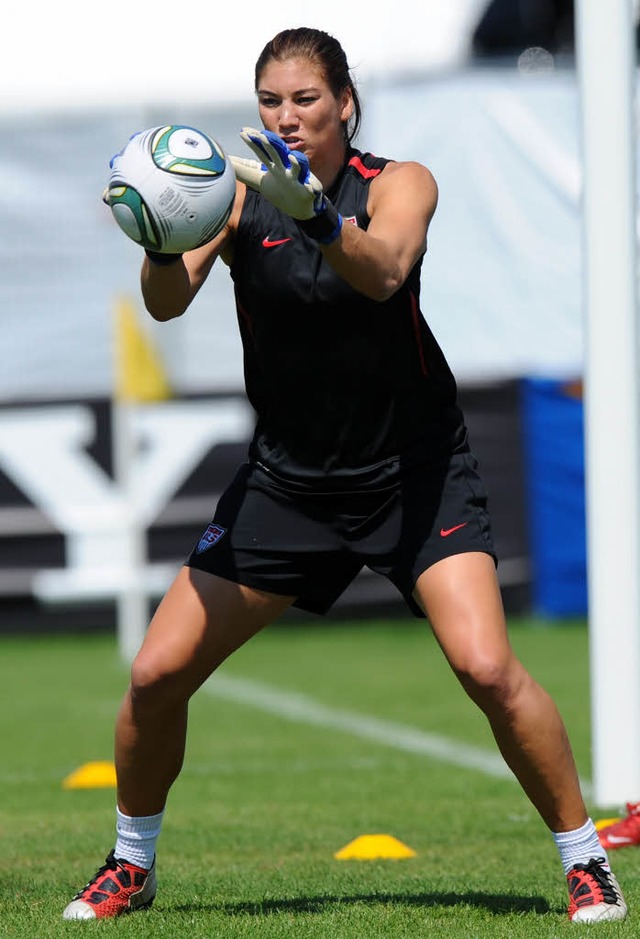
(264,803)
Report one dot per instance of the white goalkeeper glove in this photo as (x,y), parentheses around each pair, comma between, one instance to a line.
(284,178)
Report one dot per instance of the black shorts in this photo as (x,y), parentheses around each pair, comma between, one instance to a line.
(311,545)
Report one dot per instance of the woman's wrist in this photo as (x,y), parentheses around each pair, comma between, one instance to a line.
(161,260)
(323,227)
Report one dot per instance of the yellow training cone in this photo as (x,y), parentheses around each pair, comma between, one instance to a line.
(97,775)
(370,847)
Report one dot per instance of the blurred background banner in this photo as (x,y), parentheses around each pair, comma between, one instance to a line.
(485,94)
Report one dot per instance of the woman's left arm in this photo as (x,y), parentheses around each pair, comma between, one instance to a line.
(401,203)
(376,262)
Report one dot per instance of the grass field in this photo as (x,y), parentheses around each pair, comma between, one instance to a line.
(266,799)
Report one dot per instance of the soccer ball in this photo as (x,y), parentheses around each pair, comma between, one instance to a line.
(171,188)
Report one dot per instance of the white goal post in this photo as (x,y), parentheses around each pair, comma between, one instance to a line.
(605,48)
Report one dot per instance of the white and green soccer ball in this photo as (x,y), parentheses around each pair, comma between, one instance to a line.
(171,188)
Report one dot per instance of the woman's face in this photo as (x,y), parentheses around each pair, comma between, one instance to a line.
(295,102)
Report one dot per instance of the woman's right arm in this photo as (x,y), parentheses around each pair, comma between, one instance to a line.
(167,290)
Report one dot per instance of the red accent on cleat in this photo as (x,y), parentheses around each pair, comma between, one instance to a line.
(624,833)
(594,894)
(118,887)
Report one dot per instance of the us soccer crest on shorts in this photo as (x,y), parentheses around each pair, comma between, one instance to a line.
(212,535)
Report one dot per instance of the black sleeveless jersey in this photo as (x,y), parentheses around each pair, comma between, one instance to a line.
(345,389)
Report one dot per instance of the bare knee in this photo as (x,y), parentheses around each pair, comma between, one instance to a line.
(157,684)
(493,682)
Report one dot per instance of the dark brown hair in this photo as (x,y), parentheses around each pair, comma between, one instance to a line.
(326,53)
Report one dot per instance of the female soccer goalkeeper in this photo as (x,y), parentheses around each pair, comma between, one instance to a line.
(360,457)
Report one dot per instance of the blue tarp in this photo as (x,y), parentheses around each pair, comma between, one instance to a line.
(553,434)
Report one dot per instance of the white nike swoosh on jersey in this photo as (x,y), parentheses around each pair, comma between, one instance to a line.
(619,839)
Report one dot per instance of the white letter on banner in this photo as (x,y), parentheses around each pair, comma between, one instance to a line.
(43,451)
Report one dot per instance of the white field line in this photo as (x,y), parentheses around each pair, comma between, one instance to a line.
(303,709)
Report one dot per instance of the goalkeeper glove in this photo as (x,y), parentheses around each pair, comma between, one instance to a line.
(285,179)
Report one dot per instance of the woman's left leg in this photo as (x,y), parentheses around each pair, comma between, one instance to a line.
(461,597)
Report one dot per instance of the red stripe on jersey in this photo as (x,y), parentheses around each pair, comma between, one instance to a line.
(364,171)
(416,326)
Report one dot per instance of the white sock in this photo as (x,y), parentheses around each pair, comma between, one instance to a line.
(136,841)
(579,846)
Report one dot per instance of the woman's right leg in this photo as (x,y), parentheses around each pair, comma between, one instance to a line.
(199,623)
(201,620)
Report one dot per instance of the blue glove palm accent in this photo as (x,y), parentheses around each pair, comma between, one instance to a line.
(283,176)
(301,163)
